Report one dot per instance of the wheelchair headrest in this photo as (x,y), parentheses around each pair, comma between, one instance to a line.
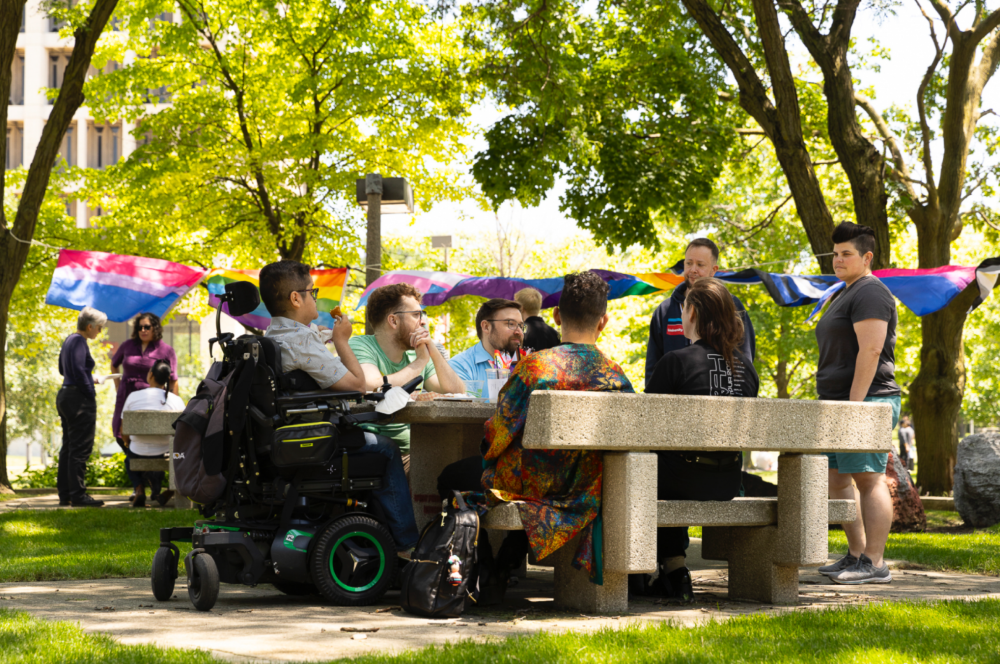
(242,297)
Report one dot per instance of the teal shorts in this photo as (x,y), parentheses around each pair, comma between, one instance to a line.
(865,462)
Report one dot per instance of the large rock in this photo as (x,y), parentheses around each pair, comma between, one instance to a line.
(977,479)
(907,510)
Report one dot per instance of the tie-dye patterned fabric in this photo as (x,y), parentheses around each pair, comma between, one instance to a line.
(560,491)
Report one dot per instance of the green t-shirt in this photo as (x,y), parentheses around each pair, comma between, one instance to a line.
(367,350)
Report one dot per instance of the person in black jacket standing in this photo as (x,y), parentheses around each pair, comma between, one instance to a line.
(701,259)
(77,406)
(538,334)
(713,365)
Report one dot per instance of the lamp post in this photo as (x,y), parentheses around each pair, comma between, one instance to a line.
(378,196)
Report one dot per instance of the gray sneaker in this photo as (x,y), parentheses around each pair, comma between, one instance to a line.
(864,572)
(839,566)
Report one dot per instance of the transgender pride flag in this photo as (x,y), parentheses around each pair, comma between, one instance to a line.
(120,286)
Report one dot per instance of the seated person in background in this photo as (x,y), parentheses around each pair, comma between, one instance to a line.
(713,365)
(499,327)
(287,290)
(561,490)
(143,446)
(538,335)
(401,349)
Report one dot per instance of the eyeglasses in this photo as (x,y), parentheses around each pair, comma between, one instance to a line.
(145,328)
(314,291)
(419,313)
(511,323)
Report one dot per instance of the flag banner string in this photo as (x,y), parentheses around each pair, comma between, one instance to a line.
(124,286)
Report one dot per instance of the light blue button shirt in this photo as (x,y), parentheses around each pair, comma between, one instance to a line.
(472,363)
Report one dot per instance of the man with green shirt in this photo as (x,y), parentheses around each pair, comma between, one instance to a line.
(401,349)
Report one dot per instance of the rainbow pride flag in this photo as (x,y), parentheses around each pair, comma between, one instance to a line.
(330,283)
(120,286)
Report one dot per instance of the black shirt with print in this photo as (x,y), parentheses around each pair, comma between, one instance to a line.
(700,370)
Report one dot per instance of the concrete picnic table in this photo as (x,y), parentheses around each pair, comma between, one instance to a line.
(765,541)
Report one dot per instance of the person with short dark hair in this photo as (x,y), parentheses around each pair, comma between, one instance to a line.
(77,407)
(287,291)
(133,359)
(701,259)
(500,328)
(560,490)
(401,349)
(713,365)
(148,446)
(857,342)
(286,288)
(538,335)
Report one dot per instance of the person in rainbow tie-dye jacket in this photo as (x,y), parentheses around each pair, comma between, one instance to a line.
(560,491)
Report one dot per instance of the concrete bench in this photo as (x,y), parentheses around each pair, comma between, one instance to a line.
(154,422)
(764,541)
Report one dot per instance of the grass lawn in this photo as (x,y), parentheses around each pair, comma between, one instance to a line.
(953,632)
(39,545)
(976,552)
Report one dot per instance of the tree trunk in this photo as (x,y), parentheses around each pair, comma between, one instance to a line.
(780,120)
(936,393)
(16,237)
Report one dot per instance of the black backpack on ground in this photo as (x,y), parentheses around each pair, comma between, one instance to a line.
(435,583)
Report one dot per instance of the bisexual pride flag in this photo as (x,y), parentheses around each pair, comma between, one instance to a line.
(120,286)
(330,283)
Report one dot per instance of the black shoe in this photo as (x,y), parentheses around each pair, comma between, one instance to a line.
(675,586)
(163,497)
(140,500)
(63,503)
(87,501)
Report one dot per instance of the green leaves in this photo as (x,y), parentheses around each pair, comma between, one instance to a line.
(275,110)
(623,104)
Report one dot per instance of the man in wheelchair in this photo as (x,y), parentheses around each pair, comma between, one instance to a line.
(286,289)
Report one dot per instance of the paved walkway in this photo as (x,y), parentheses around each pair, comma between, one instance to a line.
(51,502)
(261,624)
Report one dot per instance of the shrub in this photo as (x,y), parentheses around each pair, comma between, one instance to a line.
(101,471)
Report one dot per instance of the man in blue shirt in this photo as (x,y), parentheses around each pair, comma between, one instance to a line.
(499,326)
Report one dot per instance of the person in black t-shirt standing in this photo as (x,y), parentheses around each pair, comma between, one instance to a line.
(713,365)
(857,342)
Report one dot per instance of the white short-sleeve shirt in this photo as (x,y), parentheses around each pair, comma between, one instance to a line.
(152,398)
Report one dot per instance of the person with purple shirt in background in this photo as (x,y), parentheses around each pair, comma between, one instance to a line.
(133,359)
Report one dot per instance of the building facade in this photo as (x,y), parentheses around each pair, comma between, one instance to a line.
(39,64)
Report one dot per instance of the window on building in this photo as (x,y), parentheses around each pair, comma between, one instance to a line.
(17,80)
(24,16)
(56,25)
(104,145)
(106,69)
(67,148)
(15,146)
(57,69)
(70,207)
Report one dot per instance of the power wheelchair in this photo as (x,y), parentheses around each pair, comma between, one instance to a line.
(296,511)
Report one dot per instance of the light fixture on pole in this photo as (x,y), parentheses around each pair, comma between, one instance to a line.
(378,195)
(442,242)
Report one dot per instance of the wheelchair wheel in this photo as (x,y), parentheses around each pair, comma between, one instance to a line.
(353,561)
(293,588)
(164,573)
(203,584)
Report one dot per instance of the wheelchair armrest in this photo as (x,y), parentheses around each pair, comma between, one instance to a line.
(303,398)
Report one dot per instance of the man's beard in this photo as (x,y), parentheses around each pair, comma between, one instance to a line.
(403,337)
(510,349)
